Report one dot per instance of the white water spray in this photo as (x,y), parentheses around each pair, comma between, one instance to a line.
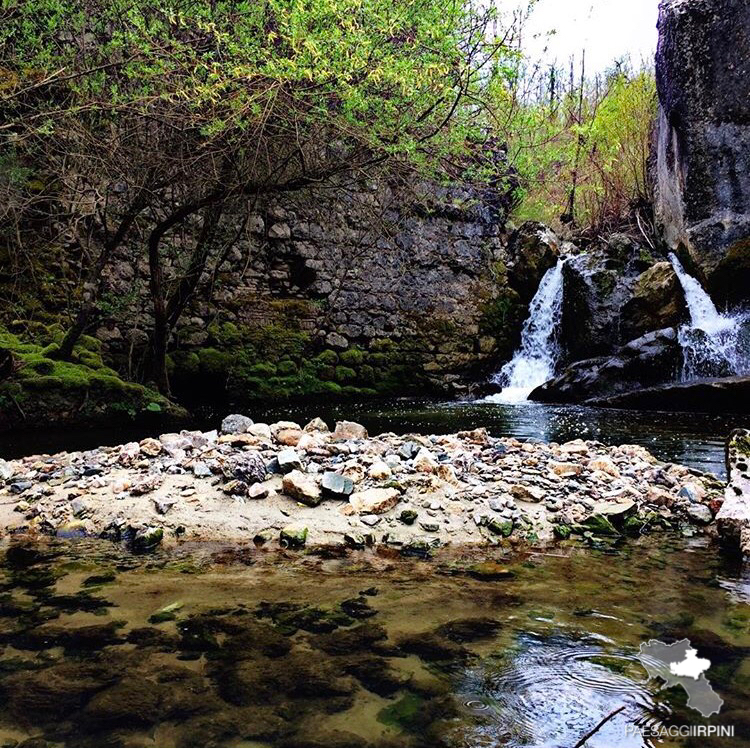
(534,362)
(712,342)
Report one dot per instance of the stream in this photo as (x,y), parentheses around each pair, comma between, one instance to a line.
(207,646)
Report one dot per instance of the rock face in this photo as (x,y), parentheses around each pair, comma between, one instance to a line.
(725,395)
(733,519)
(646,361)
(703,144)
(598,284)
(532,250)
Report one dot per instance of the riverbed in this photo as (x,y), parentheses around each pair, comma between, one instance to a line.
(213,645)
(695,440)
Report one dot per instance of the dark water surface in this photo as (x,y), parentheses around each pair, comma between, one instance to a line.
(211,646)
(697,440)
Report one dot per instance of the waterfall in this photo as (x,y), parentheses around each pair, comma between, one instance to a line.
(712,343)
(534,362)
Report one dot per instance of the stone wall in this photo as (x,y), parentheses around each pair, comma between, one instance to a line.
(415,278)
(703,149)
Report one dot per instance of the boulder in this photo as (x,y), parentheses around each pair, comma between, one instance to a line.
(248,467)
(289,460)
(724,395)
(336,486)
(657,302)
(349,430)
(597,284)
(374,501)
(649,360)
(303,487)
(733,518)
(235,424)
(703,140)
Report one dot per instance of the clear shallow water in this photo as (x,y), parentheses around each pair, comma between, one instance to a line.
(309,650)
(697,440)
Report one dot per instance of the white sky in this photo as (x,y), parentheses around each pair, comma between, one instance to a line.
(608,29)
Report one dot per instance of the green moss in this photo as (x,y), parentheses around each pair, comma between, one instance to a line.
(328,357)
(214,363)
(352,357)
(286,367)
(345,374)
(185,364)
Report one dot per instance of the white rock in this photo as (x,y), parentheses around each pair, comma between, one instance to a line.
(349,430)
(425,461)
(374,501)
(379,471)
(260,430)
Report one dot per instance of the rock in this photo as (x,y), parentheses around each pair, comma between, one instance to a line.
(733,518)
(604,464)
(78,507)
(73,529)
(502,528)
(336,486)
(490,571)
(6,470)
(163,506)
(532,250)
(19,487)
(201,470)
(235,488)
(289,437)
(302,487)
(565,469)
(703,141)
(407,517)
(147,539)
(129,454)
(151,447)
(527,493)
(235,424)
(293,538)
(257,491)
(146,485)
(335,340)
(409,450)
(615,511)
(599,525)
(425,462)
(370,520)
(349,430)
(699,513)
(649,360)
(289,460)
(317,425)
(260,430)
(374,501)
(379,471)
(725,395)
(657,302)
(248,467)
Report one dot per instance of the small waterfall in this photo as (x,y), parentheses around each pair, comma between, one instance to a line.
(534,362)
(712,343)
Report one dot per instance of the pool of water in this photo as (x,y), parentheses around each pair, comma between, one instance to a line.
(213,646)
(697,440)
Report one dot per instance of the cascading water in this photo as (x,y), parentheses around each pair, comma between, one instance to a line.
(534,362)
(712,343)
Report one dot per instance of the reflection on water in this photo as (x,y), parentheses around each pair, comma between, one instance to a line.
(696,440)
(214,646)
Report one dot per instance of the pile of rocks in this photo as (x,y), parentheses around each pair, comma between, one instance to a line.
(295,484)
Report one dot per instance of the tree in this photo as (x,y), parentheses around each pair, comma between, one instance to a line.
(153,119)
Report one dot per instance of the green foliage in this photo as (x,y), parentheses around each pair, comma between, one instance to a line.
(587,144)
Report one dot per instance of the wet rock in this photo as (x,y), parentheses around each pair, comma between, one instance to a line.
(657,302)
(469,630)
(490,571)
(532,250)
(235,424)
(349,430)
(302,487)
(502,528)
(135,701)
(358,608)
(336,486)
(293,538)
(346,641)
(147,539)
(374,501)
(407,517)
(430,646)
(376,675)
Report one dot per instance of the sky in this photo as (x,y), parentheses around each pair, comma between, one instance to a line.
(608,29)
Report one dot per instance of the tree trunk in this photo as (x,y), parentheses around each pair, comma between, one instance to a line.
(7,364)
